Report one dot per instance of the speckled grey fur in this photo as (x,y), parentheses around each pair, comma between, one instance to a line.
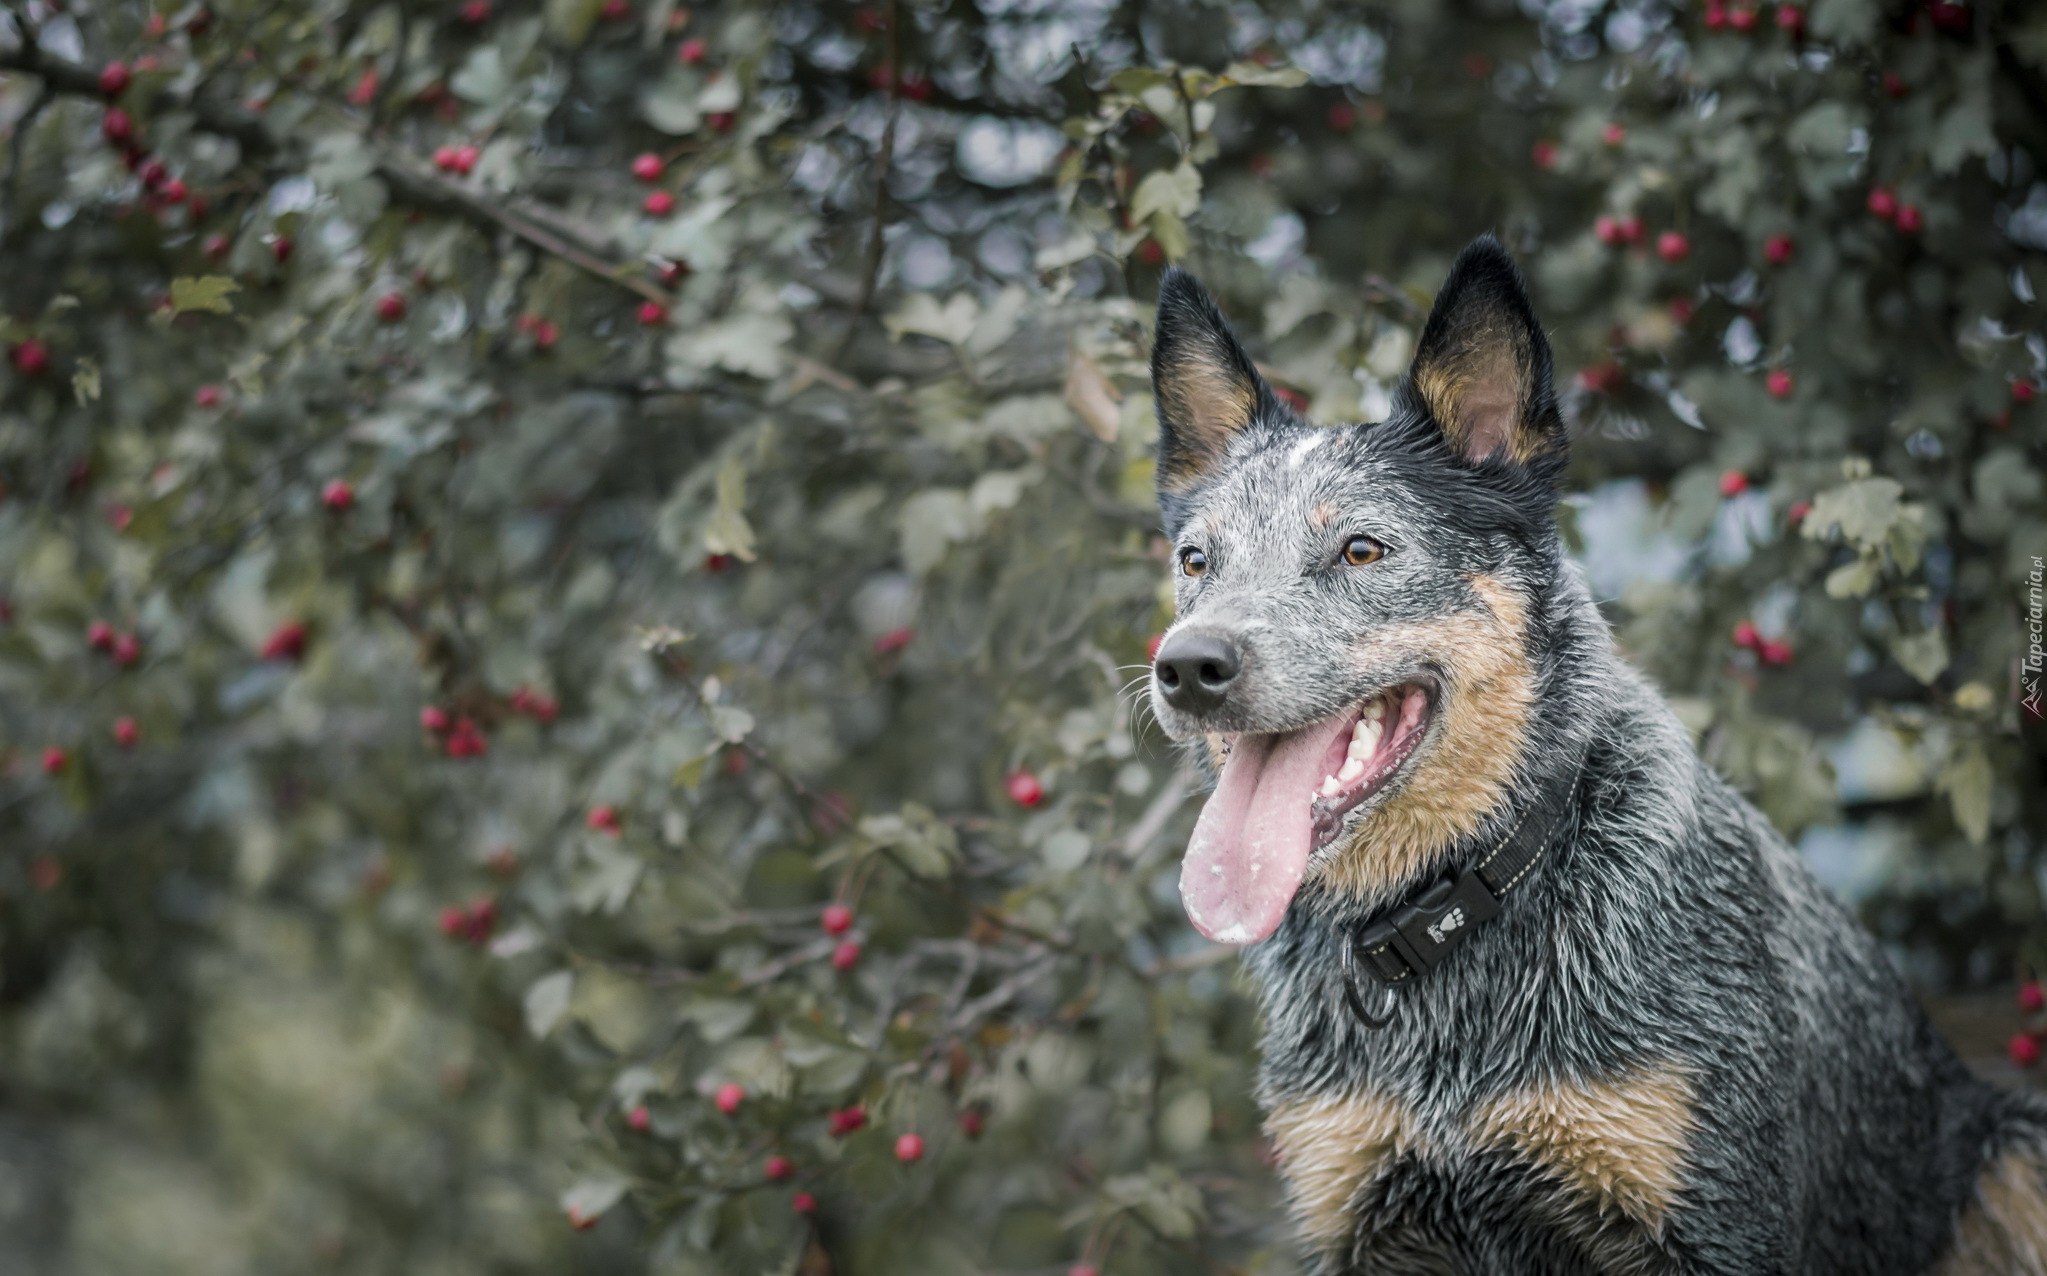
(1835,1132)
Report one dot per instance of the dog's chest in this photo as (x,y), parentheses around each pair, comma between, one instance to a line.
(1587,1166)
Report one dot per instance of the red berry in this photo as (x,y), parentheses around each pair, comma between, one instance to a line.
(545,334)
(1082,1269)
(720,121)
(577,1218)
(1543,154)
(1716,15)
(909,1148)
(1910,219)
(286,642)
(673,273)
(2023,391)
(1631,230)
(846,1120)
(119,516)
(117,126)
(778,1168)
(603,819)
(836,919)
(1775,653)
(338,495)
(1603,378)
(1607,230)
(1681,310)
(1779,383)
(207,396)
(1791,18)
(1673,247)
(804,1203)
(31,358)
(1614,134)
(639,1118)
(615,10)
(1882,201)
(2024,1051)
(916,88)
(1949,17)
(1733,483)
(1024,788)
(480,919)
(893,641)
(453,921)
(1894,84)
(199,205)
(690,52)
(1777,249)
(55,760)
(653,314)
(465,159)
(216,246)
(444,158)
(658,203)
(2031,998)
(435,719)
(127,650)
(281,248)
(476,12)
(1151,253)
(1741,18)
(972,1122)
(717,563)
(114,78)
(391,307)
(647,167)
(153,174)
(729,1097)
(174,191)
(126,733)
(1745,635)
(1343,117)
(99,635)
(1798,511)
(846,956)
(365,90)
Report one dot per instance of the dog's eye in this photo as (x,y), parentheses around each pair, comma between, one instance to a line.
(1362,550)
(1192,561)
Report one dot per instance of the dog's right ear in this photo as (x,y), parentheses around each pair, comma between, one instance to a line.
(1207,388)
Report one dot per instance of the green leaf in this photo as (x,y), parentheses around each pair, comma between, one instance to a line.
(1923,655)
(209,293)
(1969,782)
(547,1000)
(1173,190)
(726,531)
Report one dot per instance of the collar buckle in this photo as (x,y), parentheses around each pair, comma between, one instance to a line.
(1430,926)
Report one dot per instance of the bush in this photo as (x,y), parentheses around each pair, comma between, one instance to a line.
(577,577)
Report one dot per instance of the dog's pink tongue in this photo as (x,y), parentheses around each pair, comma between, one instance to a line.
(1250,846)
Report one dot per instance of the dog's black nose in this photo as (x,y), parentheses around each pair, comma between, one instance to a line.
(1195,669)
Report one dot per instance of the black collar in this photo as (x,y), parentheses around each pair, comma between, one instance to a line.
(1413,937)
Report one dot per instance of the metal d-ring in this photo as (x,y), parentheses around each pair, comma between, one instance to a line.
(1350,993)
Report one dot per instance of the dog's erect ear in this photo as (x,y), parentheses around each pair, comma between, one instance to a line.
(1482,367)
(1207,388)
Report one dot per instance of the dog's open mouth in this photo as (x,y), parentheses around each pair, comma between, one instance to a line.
(1285,796)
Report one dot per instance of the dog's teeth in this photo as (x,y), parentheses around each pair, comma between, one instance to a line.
(1366,742)
(1374,711)
(1352,769)
(1329,786)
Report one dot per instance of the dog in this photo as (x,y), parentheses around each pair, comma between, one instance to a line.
(1541,993)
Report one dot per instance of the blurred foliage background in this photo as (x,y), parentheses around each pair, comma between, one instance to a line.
(571,574)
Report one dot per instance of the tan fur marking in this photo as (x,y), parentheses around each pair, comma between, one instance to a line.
(2003,1231)
(1467,772)
(1330,1147)
(1620,1140)
(1321,514)
(1216,753)
(1477,391)
(1208,404)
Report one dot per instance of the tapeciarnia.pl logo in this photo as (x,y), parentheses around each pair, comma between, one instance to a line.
(2035,657)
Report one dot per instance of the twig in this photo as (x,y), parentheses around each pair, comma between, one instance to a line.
(875,241)
(1162,807)
(15,145)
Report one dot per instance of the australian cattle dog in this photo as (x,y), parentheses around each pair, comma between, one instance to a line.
(1541,993)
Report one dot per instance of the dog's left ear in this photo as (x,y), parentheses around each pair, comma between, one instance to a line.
(1482,368)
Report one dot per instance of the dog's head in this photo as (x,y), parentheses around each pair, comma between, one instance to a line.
(1353,600)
